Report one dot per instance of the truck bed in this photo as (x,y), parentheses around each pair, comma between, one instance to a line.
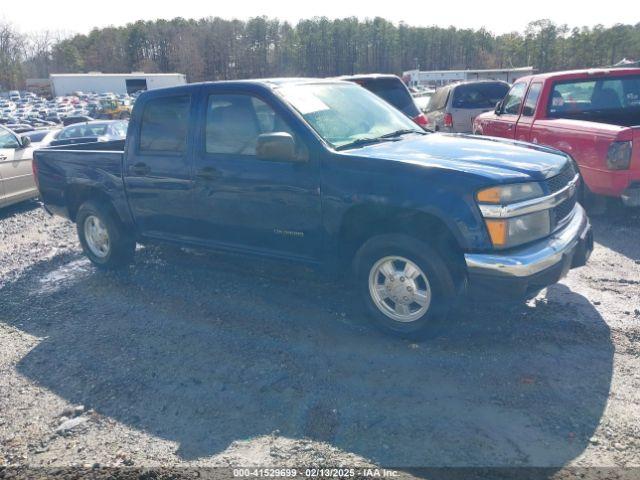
(67,171)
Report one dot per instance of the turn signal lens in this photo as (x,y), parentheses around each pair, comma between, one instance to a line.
(508,194)
(497,231)
(490,195)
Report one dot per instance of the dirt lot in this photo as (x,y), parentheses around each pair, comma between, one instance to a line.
(197,359)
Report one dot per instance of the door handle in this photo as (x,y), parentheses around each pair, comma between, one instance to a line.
(208,174)
(3,157)
(140,168)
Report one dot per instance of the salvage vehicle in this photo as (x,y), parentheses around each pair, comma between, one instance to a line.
(326,173)
(592,115)
(112,109)
(16,175)
(454,107)
(88,132)
(392,89)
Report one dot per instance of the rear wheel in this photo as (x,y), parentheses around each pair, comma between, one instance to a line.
(104,240)
(405,284)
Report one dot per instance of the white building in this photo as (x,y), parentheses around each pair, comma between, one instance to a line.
(96,82)
(436,78)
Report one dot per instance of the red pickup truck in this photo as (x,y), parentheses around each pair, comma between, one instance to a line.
(593,115)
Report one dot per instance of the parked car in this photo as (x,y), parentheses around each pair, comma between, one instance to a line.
(325,173)
(453,107)
(592,115)
(422,99)
(16,176)
(41,138)
(391,89)
(76,119)
(95,131)
(19,127)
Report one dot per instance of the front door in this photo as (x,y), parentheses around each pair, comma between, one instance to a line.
(504,124)
(243,202)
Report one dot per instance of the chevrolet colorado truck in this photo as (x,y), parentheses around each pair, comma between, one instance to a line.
(327,173)
(592,115)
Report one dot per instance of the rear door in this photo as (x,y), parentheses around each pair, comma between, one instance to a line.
(243,202)
(157,170)
(503,124)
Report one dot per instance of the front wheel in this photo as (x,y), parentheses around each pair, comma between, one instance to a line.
(405,284)
(104,240)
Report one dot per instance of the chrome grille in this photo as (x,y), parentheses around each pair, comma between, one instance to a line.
(562,211)
(557,183)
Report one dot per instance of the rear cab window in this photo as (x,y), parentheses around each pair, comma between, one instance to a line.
(585,98)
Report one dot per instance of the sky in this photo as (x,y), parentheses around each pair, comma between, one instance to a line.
(80,16)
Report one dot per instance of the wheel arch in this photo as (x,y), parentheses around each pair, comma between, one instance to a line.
(77,194)
(365,222)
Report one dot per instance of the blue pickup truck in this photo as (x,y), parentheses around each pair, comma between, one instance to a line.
(325,172)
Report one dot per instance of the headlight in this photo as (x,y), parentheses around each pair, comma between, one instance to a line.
(506,194)
(510,232)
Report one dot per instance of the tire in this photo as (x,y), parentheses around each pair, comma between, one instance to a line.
(98,220)
(433,287)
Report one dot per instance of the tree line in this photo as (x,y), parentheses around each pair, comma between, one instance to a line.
(216,48)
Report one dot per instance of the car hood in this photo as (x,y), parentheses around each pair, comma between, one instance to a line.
(495,158)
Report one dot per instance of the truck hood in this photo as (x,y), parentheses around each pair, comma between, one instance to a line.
(499,159)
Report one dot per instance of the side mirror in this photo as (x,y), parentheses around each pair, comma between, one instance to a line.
(276,146)
(498,109)
(25,142)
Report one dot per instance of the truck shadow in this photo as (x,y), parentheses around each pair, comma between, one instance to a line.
(204,350)
(618,229)
(18,208)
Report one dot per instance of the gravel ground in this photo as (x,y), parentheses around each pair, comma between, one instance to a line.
(192,359)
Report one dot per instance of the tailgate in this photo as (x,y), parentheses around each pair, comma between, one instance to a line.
(635,152)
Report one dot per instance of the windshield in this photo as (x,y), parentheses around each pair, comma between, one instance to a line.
(344,113)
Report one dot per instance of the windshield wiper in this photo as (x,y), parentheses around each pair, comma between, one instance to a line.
(387,137)
(399,133)
(361,142)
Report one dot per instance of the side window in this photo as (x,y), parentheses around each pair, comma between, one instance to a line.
(234,122)
(68,133)
(532,100)
(513,100)
(165,122)
(8,140)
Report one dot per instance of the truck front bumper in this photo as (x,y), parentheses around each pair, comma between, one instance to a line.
(524,271)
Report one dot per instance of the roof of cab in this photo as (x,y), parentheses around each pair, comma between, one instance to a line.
(583,73)
(270,83)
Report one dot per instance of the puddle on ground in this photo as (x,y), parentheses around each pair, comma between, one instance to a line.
(66,274)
